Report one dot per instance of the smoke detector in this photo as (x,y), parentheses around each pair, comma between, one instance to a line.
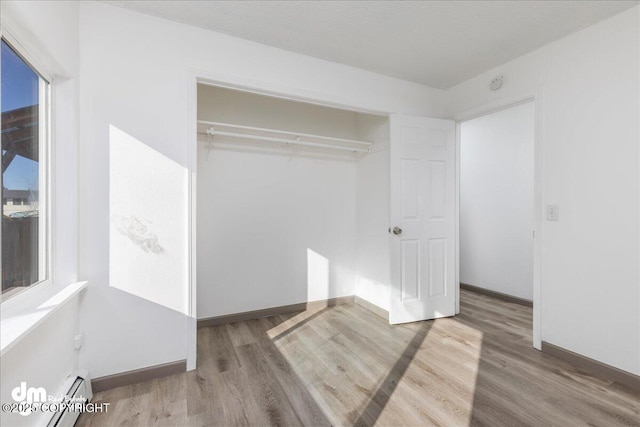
(496,83)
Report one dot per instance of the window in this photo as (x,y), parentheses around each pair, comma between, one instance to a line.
(25,210)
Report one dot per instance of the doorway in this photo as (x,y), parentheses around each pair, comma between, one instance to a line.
(497,173)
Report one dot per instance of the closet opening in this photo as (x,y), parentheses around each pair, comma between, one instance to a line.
(292,205)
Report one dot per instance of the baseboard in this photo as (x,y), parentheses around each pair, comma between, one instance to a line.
(495,294)
(273,311)
(593,367)
(371,307)
(138,375)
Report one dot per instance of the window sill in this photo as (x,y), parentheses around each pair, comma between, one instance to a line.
(18,322)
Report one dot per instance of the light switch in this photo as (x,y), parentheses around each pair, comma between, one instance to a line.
(552,212)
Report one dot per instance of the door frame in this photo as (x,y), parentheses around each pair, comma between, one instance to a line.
(195,77)
(484,110)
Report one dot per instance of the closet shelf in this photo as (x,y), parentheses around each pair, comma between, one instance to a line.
(228,130)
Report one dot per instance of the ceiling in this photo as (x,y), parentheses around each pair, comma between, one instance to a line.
(436,43)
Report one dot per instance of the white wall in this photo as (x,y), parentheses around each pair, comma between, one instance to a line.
(49,30)
(496,201)
(44,358)
(587,86)
(372,242)
(134,76)
(274,227)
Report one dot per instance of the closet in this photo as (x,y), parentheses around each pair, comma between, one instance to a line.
(292,203)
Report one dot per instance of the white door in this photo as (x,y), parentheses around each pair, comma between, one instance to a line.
(423,240)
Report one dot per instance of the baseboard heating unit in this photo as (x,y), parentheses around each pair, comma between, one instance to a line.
(78,392)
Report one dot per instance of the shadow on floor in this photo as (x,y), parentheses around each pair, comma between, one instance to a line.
(379,400)
(343,365)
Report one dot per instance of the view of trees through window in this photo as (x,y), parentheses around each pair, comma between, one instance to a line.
(21,174)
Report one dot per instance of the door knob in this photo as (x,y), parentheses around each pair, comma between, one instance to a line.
(397,231)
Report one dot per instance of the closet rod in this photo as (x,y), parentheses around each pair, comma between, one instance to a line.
(287,141)
(306,135)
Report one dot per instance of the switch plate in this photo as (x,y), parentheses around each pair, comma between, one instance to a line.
(552,212)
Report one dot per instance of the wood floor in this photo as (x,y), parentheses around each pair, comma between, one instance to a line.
(344,365)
